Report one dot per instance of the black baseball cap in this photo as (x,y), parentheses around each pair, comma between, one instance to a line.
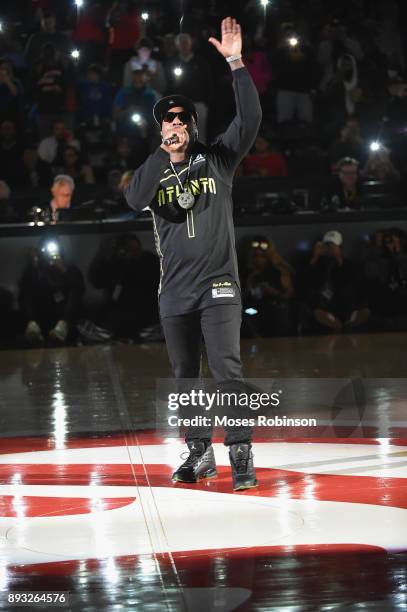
(164,105)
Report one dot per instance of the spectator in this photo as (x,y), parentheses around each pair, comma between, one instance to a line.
(350,143)
(385,269)
(75,167)
(390,40)
(395,104)
(264,161)
(94,97)
(123,21)
(62,190)
(12,167)
(130,279)
(114,190)
(11,49)
(124,157)
(47,36)
(189,76)
(132,110)
(268,289)
(345,190)
(50,149)
(90,32)
(334,43)
(142,60)
(51,295)
(50,78)
(11,95)
(169,50)
(333,287)
(295,77)
(7,212)
(4,192)
(342,93)
(126,179)
(379,167)
(258,65)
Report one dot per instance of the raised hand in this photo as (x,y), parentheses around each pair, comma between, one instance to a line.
(231,43)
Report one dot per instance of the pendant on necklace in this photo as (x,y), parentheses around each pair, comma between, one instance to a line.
(186,200)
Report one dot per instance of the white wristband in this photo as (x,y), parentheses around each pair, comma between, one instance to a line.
(233,58)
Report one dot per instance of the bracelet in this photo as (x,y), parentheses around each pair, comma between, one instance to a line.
(233,58)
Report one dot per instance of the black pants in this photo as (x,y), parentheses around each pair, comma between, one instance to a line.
(219,327)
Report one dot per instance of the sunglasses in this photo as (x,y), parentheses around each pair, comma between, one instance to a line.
(184,116)
(260,245)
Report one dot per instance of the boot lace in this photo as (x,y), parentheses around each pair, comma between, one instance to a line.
(190,456)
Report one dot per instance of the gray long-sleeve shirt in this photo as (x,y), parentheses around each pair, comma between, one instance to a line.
(197,247)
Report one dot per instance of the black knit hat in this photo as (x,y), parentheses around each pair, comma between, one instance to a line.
(164,105)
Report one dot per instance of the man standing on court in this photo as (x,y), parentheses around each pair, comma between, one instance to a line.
(187,186)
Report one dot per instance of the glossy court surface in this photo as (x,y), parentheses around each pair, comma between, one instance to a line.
(87,504)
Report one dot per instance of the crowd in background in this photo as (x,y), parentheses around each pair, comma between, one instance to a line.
(322,292)
(77,87)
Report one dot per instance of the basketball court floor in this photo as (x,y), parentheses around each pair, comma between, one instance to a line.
(87,506)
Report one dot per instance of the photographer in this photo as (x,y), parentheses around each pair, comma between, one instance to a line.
(130,278)
(385,269)
(51,295)
(268,289)
(333,287)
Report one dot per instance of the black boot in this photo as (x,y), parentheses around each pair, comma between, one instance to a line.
(199,464)
(241,460)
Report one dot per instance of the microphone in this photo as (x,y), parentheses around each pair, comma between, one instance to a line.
(172,140)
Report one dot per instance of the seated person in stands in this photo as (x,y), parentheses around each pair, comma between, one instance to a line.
(7,213)
(51,148)
(13,169)
(11,94)
(350,143)
(75,167)
(345,190)
(333,288)
(379,167)
(50,152)
(132,112)
(142,60)
(95,97)
(130,278)
(126,179)
(51,295)
(385,271)
(268,289)
(62,190)
(124,156)
(264,161)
